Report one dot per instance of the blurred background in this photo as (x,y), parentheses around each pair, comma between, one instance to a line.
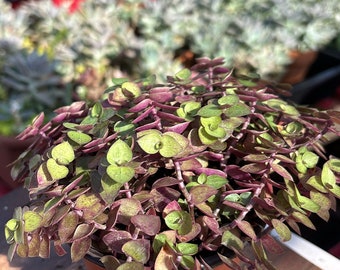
(53,52)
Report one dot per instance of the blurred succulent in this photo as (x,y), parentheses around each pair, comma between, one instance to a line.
(156,175)
(142,37)
(29,85)
(252,35)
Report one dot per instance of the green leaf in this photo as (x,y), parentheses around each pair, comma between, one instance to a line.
(209,111)
(179,220)
(308,204)
(110,189)
(216,181)
(132,88)
(63,153)
(139,250)
(96,110)
(131,266)
(302,218)
(169,147)
(32,221)
(228,100)
(211,122)
(150,141)
(123,127)
(188,262)
(205,137)
(158,242)
(187,248)
(289,109)
(239,109)
(315,182)
(310,159)
(56,171)
(247,83)
(119,81)
(231,240)
(119,153)
(110,262)
(328,177)
(188,110)
(12,224)
(282,230)
(183,74)
(335,191)
(79,137)
(121,174)
(334,165)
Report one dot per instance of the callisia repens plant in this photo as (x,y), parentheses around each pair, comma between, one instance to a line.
(159,175)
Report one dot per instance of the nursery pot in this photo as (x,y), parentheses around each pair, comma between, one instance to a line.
(92,263)
(298,69)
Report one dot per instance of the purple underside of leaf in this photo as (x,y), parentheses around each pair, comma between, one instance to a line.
(179,128)
(142,116)
(170,117)
(140,106)
(209,171)
(148,126)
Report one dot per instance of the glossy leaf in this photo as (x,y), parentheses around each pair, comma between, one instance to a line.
(187,248)
(183,74)
(119,153)
(63,153)
(55,170)
(169,147)
(131,88)
(79,137)
(121,174)
(150,141)
(180,221)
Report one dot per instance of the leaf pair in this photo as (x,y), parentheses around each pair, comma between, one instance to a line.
(168,144)
(118,155)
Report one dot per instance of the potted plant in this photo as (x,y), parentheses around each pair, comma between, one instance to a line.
(160,175)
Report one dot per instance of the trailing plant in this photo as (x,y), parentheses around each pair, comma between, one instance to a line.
(156,175)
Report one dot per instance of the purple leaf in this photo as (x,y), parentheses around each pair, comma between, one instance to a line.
(148,224)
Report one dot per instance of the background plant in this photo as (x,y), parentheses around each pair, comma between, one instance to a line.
(158,174)
(140,38)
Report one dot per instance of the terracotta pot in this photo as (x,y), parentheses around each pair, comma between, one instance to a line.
(297,70)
